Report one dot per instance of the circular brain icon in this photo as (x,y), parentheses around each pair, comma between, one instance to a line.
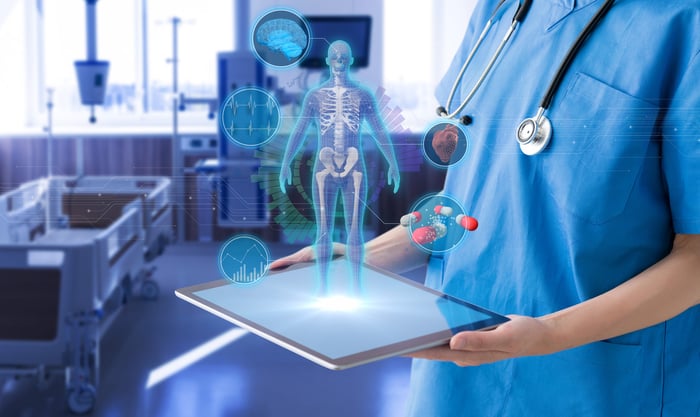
(281,38)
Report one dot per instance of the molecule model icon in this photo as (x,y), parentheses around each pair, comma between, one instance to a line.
(438,224)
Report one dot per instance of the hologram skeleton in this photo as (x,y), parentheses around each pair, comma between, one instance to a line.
(338,107)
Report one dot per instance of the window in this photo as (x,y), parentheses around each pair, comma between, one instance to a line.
(41,39)
(206,28)
(419,42)
(65,43)
(138,91)
(14,77)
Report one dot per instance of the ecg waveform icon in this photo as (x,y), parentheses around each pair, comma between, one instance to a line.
(243,260)
(250,117)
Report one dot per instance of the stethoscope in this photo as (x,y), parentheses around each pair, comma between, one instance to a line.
(533,133)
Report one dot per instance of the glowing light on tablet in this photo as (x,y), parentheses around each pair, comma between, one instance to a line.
(337,303)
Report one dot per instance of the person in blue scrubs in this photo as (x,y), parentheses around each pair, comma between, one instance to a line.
(593,245)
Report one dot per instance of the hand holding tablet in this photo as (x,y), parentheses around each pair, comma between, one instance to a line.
(392,315)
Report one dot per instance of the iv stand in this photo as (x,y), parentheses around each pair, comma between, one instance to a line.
(177,163)
(49,132)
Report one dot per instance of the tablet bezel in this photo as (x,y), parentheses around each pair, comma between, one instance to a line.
(393,349)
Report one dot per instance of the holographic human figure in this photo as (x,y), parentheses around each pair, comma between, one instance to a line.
(338,107)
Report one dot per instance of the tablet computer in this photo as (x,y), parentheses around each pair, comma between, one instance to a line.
(390,315)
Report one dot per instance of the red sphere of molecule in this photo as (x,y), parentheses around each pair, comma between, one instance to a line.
(416,216)
(424,235)
(467,222)
(470,223)
(443,210)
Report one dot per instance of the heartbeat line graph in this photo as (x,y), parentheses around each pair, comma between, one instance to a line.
(250,117)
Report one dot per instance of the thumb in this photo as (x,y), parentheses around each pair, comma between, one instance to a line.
(474,341)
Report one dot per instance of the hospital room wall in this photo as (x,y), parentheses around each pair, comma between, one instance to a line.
(419,43)
(24,158)
(450,18)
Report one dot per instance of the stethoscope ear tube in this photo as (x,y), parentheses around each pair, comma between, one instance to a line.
(466,120)
(522,10)
(442,110)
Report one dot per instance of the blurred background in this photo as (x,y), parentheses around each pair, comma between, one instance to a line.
(118,185)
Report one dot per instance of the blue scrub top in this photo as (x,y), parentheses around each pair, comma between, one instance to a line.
(599,205)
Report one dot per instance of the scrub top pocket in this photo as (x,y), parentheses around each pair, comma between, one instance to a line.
(601,138)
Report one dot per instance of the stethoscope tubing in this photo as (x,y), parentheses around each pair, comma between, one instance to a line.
(483,75)
(571,54)
(533,134)
(518,17)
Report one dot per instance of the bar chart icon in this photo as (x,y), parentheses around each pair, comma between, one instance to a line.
(243,259)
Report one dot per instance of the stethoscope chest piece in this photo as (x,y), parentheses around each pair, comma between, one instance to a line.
(534,134)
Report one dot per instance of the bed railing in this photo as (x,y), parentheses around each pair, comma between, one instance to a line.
(23,213)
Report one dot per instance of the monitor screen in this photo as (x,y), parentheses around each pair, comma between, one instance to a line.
(354,29)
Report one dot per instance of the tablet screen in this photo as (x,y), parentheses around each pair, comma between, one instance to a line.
(389,315)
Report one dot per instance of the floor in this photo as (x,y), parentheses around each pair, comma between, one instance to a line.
(248,377)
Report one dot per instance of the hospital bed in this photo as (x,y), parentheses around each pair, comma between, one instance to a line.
(71,250)
(90,201)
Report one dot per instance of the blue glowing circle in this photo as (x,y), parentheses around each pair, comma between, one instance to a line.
(243,259)
(250,117)
(281,38)
(444,143)
(434,223)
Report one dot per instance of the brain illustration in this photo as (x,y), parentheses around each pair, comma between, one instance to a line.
(282,35)
(445,142)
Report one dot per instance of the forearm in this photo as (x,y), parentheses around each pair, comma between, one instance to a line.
(387,150)
(381,137)
(385,145)
(393,251)
(659,293)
